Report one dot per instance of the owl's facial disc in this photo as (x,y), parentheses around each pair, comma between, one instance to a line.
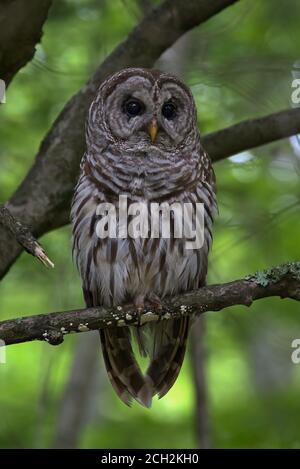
(142,115)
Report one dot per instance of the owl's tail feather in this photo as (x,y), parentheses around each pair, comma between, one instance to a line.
(122,368)
(168,354)
(116,383)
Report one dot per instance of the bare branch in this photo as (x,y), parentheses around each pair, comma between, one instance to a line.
(22,234)
(20,30)
(282,281)
(252,133)
(43,199)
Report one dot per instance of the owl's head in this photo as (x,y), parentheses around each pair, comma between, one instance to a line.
(137,109)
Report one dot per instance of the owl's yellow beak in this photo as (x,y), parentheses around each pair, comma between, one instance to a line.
(153,129)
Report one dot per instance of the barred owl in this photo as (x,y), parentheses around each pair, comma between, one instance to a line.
(142,141)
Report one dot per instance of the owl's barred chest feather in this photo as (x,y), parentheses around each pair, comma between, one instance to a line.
(118,270)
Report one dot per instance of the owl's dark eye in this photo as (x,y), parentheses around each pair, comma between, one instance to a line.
(133,107)
(169,110)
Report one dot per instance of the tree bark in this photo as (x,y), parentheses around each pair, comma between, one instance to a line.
(21,24)
(252,133)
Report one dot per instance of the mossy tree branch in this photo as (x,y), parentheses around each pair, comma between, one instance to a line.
(282,281)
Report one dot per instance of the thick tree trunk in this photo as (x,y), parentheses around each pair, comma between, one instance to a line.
(21,23)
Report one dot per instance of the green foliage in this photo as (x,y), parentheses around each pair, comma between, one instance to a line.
(239,65)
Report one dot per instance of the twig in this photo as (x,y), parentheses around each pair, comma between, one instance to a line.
(24,237)
(282,281)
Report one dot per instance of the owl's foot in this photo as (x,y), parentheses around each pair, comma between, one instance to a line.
(154,300)
(151,298)
(139,302)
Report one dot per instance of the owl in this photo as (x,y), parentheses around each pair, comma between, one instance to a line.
(142,142)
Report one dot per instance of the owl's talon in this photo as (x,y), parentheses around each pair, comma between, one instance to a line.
(139,303)
(151,298)
(155,301)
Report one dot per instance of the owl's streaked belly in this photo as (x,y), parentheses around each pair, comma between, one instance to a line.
(119,270)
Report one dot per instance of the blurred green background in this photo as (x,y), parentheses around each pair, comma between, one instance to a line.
(239,65)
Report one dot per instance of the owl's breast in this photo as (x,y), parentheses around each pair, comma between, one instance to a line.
(116,269)
(137,186)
